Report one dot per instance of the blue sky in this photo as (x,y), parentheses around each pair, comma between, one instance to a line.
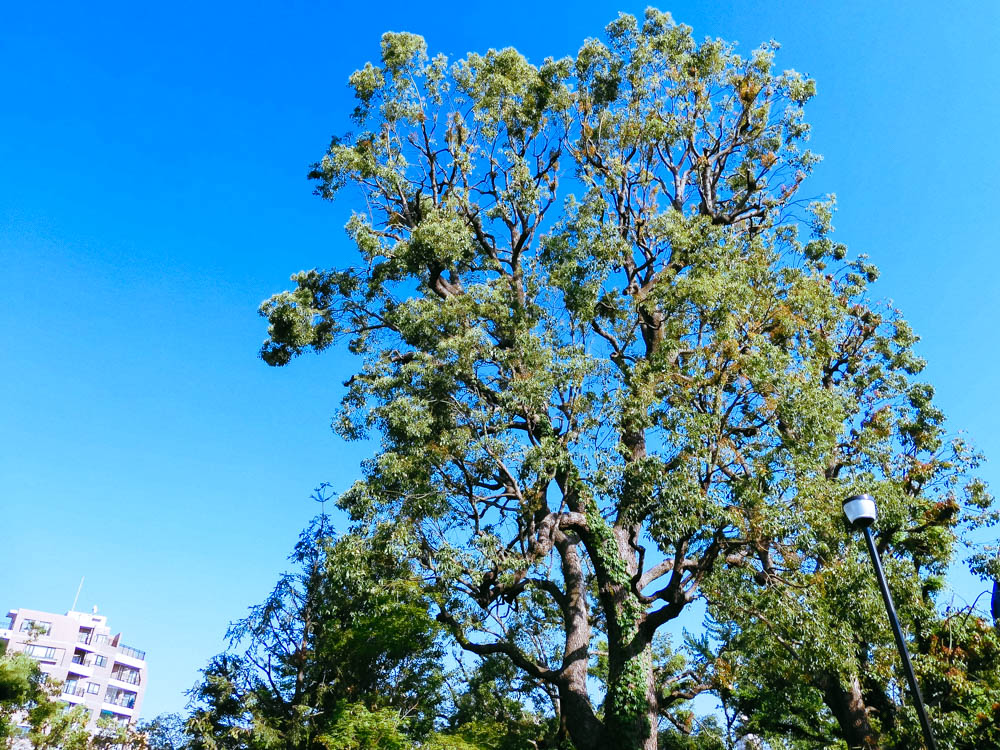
(153,192)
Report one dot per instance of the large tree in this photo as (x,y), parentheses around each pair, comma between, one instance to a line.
(610,351)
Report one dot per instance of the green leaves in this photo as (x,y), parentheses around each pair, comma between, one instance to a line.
(681,358)
(20,687)
(508,92)
(339,651)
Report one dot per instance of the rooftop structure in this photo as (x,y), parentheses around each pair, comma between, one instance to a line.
(97,670)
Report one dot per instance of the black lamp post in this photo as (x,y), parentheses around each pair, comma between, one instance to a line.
(861,514)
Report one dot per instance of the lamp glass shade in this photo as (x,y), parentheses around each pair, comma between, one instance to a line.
(860,510)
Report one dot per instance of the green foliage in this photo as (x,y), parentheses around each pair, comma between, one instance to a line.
(958,664)
(707,735)
(591,417)
(486,735)
(164,732)
(56,725)
(500,708)
(354,727)
(334,654)
(20,688)
(786,694)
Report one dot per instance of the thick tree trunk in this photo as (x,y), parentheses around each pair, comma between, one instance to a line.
(630,706)
(848,708)
(584,728)
(586,731)
(630,715)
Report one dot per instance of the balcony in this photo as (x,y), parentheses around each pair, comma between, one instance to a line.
(130,676)
(86,661)
(82,664)
(89,640)
(73,693)
(44,653)
(121,699)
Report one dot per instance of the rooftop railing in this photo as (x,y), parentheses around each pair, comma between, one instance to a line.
(133,652)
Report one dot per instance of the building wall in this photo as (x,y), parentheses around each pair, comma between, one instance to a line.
(78,649)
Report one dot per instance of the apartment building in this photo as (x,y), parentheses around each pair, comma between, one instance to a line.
(78,649)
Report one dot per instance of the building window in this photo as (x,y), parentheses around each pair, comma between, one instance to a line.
(101,661)
(41,652)
(37,626)
(93,688)
(101,639)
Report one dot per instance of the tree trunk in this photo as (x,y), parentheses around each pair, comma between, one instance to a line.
(848,708)
(630,714)
(584,727)
(631,718)
(630,706)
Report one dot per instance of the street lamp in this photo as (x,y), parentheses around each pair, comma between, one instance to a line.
(861,513)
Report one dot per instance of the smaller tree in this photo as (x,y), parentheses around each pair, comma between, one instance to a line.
(958,665)
(342,644)
(818,666)
(54,725)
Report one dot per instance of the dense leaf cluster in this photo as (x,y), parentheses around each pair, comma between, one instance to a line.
(341,646)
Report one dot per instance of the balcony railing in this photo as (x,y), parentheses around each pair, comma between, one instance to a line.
(73,690)
(126,675)
(133,652)
(86,661)
(123,699)
(85,638)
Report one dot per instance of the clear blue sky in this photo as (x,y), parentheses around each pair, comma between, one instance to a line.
(153,192)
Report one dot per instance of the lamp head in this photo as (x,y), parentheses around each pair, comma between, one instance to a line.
(860,511)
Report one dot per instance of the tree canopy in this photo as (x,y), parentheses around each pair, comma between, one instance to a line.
(617,362)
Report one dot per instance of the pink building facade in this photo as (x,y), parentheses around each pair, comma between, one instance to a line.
(96,669)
